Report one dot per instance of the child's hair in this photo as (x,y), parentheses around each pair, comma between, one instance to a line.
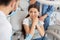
(34,6)
(31,6)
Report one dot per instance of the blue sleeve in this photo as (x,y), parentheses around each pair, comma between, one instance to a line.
(47,9)
(28,37)
(50,10)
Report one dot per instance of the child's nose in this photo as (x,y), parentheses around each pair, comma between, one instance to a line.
(33,14)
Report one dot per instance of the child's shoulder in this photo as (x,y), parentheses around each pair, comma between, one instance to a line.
(26,19)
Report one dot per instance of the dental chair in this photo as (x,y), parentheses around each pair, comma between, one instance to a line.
(16,21)
(53,32)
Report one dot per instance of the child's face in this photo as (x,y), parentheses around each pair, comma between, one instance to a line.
(33,12)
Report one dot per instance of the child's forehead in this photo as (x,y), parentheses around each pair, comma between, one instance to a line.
(16,0)
(32,0)
(33,9)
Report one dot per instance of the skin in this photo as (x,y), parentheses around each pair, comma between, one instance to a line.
(42,18)
(17,4)
(33,12)
(32,1)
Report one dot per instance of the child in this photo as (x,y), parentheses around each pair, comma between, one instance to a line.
(32,25)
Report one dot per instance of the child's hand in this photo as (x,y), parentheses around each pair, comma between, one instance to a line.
(35,20)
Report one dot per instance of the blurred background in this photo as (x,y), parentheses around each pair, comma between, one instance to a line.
(53,31)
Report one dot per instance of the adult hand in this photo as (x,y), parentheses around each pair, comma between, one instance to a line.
(41,18)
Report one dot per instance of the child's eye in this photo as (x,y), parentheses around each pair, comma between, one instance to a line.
(34,12)
(30,11)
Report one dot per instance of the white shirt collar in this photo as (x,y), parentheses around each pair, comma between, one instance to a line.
(30,18)
(2,13)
